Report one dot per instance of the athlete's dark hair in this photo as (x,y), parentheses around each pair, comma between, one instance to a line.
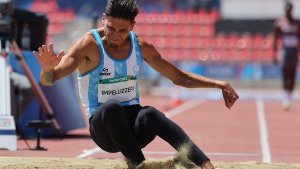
(288,5)
(124,9)
(288,2)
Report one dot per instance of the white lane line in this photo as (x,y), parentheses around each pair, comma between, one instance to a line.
(89,152)
(234,154)
(171,113)
(182,108)
(168,153)
(263,130)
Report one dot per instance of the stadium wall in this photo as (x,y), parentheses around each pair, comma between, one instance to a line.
(255,9)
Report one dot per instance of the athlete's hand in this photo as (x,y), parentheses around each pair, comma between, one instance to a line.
(47,58)
(229,95)
(275,60)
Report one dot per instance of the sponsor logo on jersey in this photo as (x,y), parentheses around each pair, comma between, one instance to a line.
(105,72)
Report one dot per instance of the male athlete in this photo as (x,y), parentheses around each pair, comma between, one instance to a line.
(287,28)
(108,61)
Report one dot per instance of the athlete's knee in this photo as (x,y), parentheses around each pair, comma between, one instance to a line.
(111,110)
(111,105)
(151,115)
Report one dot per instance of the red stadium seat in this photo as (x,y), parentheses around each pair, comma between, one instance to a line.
(215,14)
(220,41)
(232,40)
(196,42)
(257,40)
(44,6)
(268,42)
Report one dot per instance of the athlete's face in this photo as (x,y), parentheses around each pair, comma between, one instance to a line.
(116,30)
(288,8)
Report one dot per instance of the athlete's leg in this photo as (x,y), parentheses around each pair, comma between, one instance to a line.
(289,66)
(109,129)
(151,122)
(288,83)
(289,74)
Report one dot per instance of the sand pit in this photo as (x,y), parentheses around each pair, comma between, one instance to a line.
(72,163)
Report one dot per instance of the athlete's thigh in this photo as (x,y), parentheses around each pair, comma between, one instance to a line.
(289,58)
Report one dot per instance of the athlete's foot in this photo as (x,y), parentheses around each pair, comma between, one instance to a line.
(287,105)
(207,165)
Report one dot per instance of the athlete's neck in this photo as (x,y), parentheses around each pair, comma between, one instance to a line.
(289,17)
(116,47)
(113,46)
(119,51)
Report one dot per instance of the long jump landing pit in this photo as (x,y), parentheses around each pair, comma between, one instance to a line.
(92,163)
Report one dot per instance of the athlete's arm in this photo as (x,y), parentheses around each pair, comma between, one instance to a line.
(298,24)
(55,67)
(276,33)
(183,78)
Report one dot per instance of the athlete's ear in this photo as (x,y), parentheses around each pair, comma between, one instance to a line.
(132,25)
(103,18)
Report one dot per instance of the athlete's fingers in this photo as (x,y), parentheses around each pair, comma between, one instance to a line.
(229,103)
(226,98)
(44,48)
(60,54)
(226,104)
(232,100)
(41,51)
(230,97)
(37,55)
(50,46)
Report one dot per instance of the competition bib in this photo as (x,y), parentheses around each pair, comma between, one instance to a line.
(290,41)
(122,89)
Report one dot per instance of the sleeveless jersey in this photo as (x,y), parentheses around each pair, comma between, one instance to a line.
(112,78)
(290,35)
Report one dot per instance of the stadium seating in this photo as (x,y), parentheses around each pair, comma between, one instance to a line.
(56,16)
(191,36)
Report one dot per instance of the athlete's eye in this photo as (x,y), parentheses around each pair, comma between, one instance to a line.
(111,28)
(123,31)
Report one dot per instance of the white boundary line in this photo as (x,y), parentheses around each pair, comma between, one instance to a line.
(171,113)
(89,152)
(165,153)
(182,108)
(263,130)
